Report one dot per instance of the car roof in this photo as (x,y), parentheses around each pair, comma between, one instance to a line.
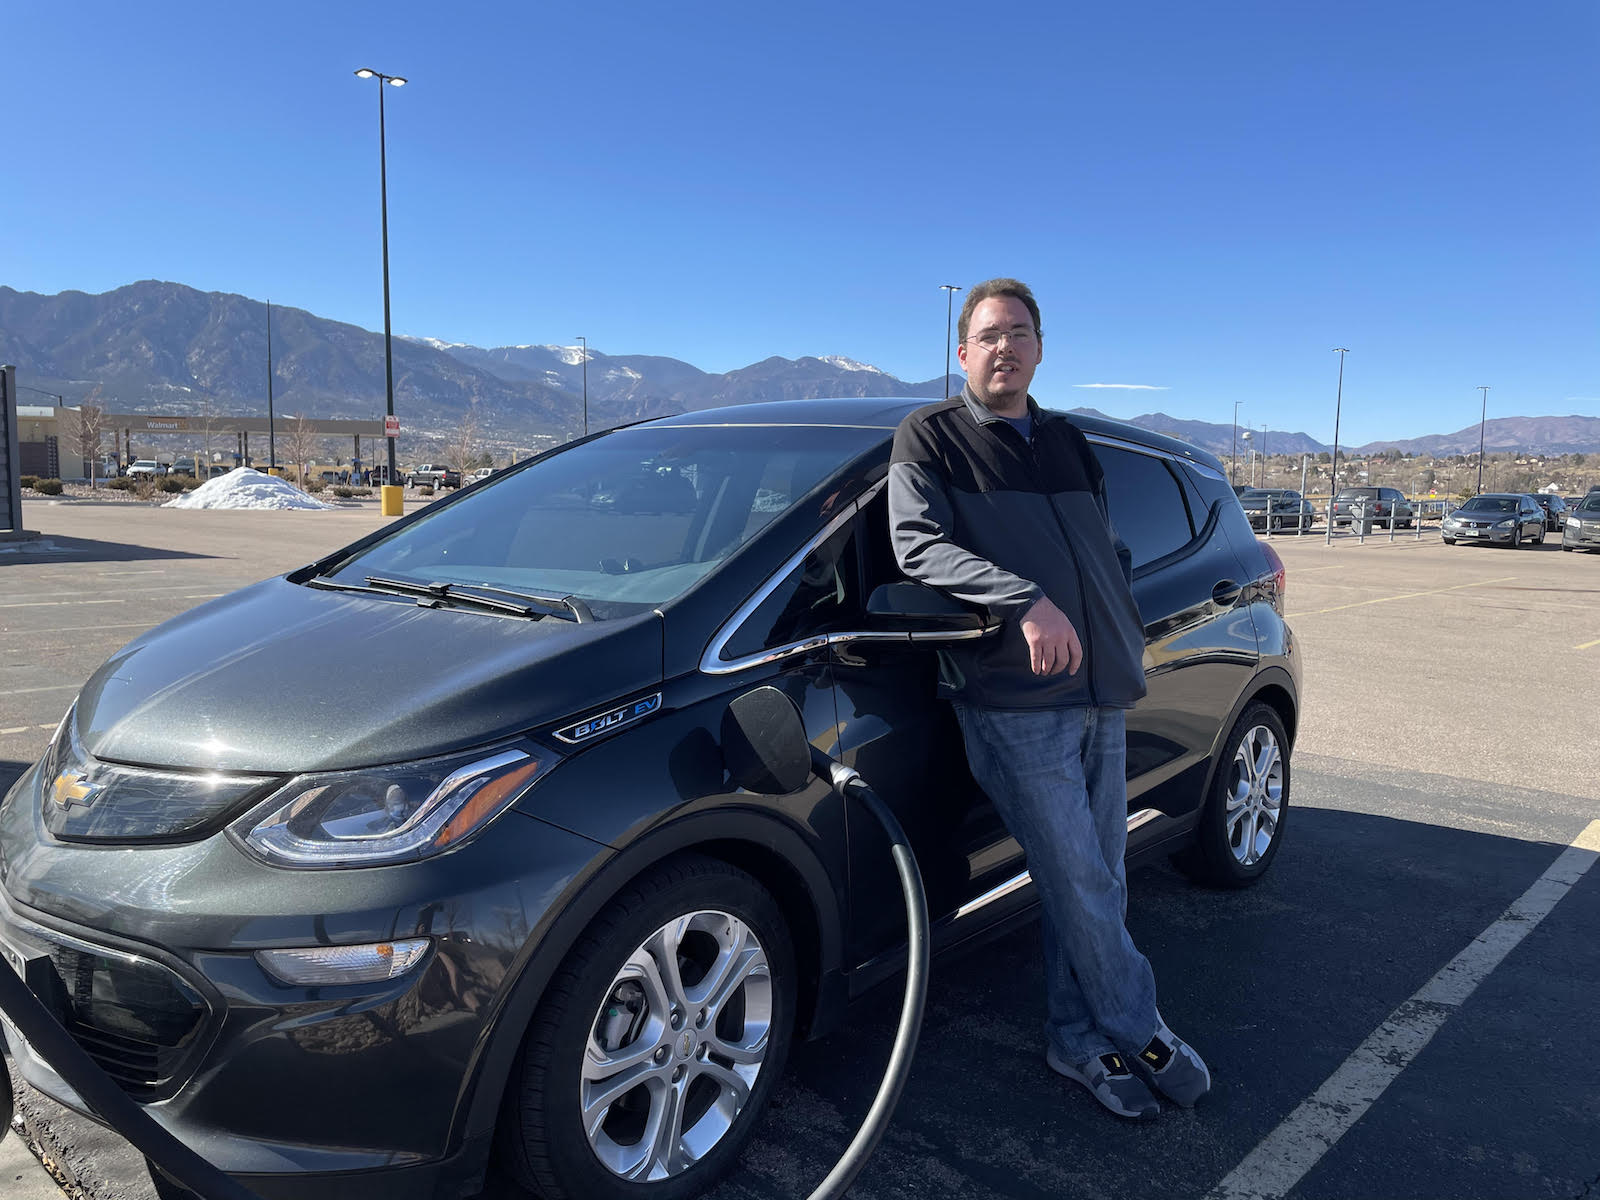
(886,412)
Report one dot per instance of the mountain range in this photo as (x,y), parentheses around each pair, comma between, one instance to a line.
(166,348)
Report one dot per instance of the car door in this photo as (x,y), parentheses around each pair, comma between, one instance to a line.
(906,744)
(1200,639)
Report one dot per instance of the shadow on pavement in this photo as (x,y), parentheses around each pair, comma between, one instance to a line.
(55,548)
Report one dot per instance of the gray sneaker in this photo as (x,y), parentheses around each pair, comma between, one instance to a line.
(1110,1082)
(1175,1070)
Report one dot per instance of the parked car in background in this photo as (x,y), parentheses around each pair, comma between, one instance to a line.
(1582,528)
(1382,505)
(378,476)
(183,466)
(532,903)
(1555,510)
(480,473)
(1500,518)
(435,475)
(1272,509)
(148,467)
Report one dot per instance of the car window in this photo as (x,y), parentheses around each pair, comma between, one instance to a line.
(631,519)
(821,595)
(1145,503)
(1589,504)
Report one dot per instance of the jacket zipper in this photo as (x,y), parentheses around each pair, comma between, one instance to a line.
(1077,568)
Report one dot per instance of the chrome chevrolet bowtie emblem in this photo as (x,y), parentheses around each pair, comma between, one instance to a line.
(72,787)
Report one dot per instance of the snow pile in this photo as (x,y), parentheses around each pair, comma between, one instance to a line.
(246,488)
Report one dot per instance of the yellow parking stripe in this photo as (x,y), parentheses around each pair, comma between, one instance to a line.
(1588,645)
(1403,596)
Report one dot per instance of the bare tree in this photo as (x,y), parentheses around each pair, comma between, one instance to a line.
(301,443)
(206,422)
(464,446)
(88,431)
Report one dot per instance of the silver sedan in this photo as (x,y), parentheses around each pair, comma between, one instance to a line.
(1502,518)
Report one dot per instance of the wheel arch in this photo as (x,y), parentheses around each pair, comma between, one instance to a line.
(761,845)
(1274,687)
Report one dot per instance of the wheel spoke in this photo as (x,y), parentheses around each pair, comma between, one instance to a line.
(600,1095)
(728,973)
(733,1085)
(664,1136)
(600,1064)
(663,950)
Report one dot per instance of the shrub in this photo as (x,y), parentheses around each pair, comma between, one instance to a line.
(315,485)
(425,490)
(48,487)
(121,483)
(30,481)
(171,483)
(345,493)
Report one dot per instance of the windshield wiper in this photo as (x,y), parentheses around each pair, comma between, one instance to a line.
(525,604)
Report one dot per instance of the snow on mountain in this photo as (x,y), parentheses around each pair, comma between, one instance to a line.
(848,364)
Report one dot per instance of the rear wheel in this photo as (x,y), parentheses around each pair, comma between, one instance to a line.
(1242,824)
(653,1054)
(1539,541)
(1516,538)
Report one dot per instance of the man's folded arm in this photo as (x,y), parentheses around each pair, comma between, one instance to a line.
(920,521)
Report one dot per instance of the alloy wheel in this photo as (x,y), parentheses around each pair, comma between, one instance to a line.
(675,1048)
(1255,796)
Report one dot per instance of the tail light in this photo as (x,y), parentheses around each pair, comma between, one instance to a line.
(1280,578)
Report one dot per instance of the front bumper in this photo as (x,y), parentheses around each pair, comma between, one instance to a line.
(1491,536)
(147,958)
(1587,537)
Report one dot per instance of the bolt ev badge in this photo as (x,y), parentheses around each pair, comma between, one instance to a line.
(72,787)
(600,722)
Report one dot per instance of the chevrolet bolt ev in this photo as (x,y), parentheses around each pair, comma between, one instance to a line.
(354,944)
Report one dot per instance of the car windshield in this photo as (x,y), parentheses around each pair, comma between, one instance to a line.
(1590,503)
(629,520)
(1496,504)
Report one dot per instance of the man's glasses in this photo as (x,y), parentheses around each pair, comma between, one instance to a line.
(990,339)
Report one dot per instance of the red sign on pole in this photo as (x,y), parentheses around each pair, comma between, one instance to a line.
(391,427)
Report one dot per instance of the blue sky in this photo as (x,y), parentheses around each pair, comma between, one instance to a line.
(1206,198)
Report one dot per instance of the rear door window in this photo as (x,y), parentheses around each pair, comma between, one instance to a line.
(1145,502)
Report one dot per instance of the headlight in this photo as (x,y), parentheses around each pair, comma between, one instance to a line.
(1452,522)
(1574,523)
(388,814)
(1506,524)
(86,800)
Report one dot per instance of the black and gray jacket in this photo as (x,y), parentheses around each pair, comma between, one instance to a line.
(984,516)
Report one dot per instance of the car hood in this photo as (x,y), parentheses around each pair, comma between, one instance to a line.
(284,678)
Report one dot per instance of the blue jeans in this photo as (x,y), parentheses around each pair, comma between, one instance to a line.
(1058,779)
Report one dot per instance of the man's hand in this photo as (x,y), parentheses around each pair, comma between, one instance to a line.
(1053,644)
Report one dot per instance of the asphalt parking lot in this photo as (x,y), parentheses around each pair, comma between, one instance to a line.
(1403,1007)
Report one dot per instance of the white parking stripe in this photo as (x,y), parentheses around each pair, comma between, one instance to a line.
(76,628)
(1286,1154)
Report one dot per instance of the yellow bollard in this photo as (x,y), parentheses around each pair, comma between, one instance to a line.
(278,471)
(392,499)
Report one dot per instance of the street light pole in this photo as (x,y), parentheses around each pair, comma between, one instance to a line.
(1333,472)
(272,443)
(383,201)
(1482,419)
(949,290)
(585,342)
(1233,455)
(1263,453)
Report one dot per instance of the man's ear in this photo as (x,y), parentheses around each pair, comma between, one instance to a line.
(961,354)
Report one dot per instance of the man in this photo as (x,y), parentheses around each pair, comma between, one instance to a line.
(1000,504)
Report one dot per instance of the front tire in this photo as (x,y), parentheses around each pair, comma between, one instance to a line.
(658,1044)
(1242,824)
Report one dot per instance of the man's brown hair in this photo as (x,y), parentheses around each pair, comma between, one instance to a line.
(988,290)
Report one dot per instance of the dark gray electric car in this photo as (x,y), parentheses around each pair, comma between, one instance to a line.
(347,943)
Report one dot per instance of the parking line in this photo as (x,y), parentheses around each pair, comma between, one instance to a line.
(76,628)
(1284,1157)
(1403,596)
(1588,645)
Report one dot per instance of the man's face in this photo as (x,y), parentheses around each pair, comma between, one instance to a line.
(1000,353)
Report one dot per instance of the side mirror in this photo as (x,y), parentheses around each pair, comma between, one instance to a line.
(764,743)
(925,613)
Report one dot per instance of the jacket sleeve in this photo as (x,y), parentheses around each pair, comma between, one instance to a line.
(922,530)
